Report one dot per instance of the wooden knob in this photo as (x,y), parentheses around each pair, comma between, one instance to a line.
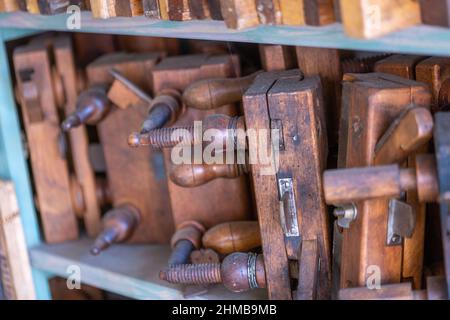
(242,272)
(187,238)
(214,93)
(407,133)
(92,106)
(225,238)
(119,225)
(163,111)
(194,175)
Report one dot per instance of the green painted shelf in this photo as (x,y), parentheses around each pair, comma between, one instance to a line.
(425,40)
(132,271)
(128,270)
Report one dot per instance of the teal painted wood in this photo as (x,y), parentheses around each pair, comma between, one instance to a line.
(128,270)
(425,40)
(13,34)
(12,160)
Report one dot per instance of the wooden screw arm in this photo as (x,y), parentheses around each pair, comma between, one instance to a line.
(214,93)
(204,95)
(355,184)
(411,130)
(238,272)
(187,238)
(118,226)
(227,130)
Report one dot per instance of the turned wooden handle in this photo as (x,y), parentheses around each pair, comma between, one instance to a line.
(214,93)
(225,238)
(406,134)
(194,175)
(350,185)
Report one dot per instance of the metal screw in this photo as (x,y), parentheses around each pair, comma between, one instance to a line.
(163,138)
(207,273)
(395,239)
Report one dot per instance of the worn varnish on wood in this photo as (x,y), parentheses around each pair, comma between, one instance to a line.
(442,147)
(199,9)
(69,79)
(15,270)
(325,63)
(373,18)
(40,115)
(435,72)
(220,200)
(277,57)
(292,12)
(413,248)
(306,12)
(319,12)
(11,5)
(370,103)
(293,105)
(239,14)
(269,11)
(179,10)
(401,65)
(116,8)
(401,291)
(32,6)
(151,9)
(435,12)
(136,177)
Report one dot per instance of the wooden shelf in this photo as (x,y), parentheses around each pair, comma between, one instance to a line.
(425,40)
(128,270)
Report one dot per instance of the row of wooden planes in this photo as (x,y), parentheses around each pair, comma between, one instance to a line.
(361,19)
(372,150)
